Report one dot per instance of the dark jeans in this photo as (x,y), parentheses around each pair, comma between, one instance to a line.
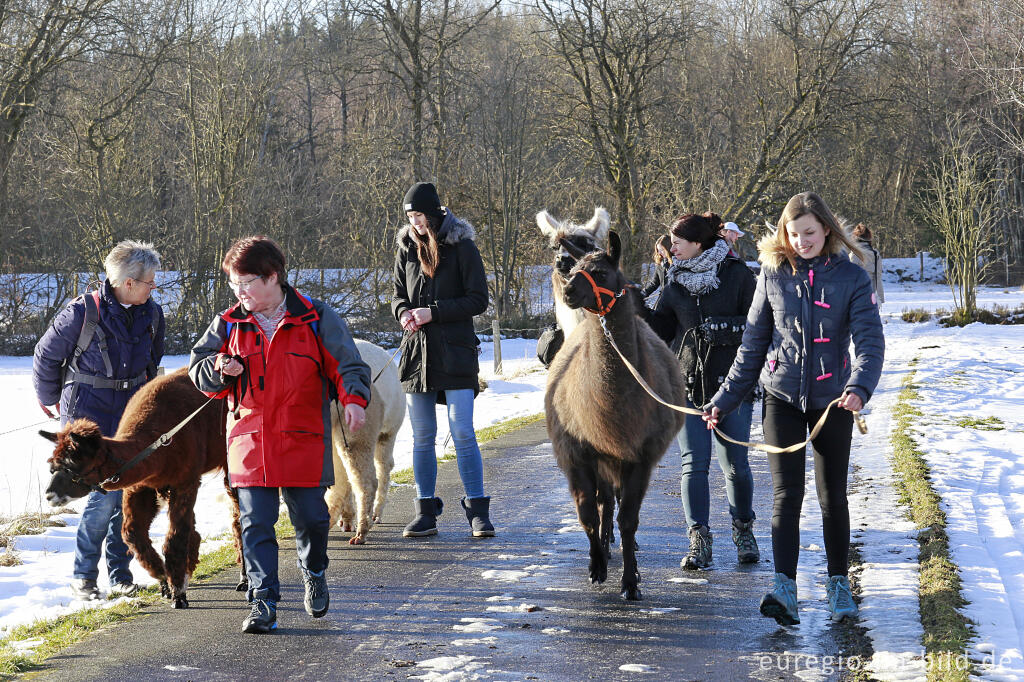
(101,520)
(784,425)
(696,442)
(259,510)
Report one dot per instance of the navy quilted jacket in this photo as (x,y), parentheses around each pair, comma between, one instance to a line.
(798,335)
(135,338)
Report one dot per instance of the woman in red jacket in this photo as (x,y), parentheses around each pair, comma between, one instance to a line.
(279,358)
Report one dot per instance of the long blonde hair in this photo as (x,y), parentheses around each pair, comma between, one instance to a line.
(800,205)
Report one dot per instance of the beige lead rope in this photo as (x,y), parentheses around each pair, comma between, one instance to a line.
(689,410)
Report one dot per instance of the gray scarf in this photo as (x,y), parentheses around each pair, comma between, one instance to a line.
(699,274)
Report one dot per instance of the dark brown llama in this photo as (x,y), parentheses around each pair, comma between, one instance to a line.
(608,434)
(83,457)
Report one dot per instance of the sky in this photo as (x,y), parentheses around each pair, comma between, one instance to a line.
(971,385)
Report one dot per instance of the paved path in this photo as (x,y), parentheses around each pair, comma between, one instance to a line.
(514,607)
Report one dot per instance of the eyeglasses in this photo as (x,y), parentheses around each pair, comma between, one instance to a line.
(152,283)
(238,286)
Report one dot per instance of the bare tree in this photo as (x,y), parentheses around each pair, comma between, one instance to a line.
(799,83)
(37,39)
(960,203)
(612,49)
(420,36)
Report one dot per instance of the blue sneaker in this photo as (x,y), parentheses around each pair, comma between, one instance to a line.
(780,603)
(840,598)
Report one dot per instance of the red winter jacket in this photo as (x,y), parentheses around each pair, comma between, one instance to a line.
(279,420)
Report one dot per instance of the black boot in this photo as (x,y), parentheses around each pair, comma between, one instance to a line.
(476,512)
(425,523)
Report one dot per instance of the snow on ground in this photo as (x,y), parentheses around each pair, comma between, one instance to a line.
(978,468)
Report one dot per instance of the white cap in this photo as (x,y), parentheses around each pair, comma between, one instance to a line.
(733,227)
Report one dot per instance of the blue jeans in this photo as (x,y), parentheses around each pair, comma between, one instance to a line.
(101,519)
(258,508)
(695,444)
(423,416)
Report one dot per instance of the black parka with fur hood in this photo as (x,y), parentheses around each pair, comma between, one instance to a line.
(442,354)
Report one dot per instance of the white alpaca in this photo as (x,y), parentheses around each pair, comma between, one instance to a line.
(362,469)
(589,237)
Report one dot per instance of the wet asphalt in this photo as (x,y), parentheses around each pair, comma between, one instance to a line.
(517,606)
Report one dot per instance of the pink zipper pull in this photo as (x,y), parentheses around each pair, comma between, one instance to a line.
(822,303)
(810,276)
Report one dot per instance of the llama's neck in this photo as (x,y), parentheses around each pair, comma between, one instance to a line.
(567,318)
(621,322)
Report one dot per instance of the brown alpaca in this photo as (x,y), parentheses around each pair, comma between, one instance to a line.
(607,433)
(84,456)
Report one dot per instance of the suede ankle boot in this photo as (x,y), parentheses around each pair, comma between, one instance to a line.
(425,521)
(477,511)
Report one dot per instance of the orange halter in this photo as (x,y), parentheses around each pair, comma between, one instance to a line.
(602,309)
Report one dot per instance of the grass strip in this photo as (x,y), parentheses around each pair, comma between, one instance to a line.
(947,631)
(59,633)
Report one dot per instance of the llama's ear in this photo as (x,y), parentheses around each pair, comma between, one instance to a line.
(573,250)
(771,228)
(614,248)
(52,437)
(547,224)
(598,225)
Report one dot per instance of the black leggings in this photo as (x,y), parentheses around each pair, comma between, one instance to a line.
(784,425)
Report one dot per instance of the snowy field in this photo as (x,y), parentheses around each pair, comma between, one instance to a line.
(972,388)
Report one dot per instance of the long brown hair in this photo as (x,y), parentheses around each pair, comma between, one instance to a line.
(665,243)
(428,251)
(803,204)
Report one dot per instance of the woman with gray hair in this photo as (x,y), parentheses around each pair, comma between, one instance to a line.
(96,354)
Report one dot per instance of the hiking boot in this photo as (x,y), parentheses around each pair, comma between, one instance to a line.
(85,589)
(124,590)
(840,598)
(699,555)
(262,617)
(425,522)
(316,600)
(780,603)
(477,511)
(746,544)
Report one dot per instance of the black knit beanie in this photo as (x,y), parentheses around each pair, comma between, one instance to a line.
(422,197)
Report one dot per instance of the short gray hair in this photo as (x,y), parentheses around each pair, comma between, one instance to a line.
(130,260)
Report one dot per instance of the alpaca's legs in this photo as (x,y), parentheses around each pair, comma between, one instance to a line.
(634,486)
(339,495)
(140,509)
(583,488)
(181,525)
(383,462)
(358,459)
(236,532)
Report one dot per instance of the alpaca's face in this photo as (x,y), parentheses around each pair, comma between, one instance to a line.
(72,463)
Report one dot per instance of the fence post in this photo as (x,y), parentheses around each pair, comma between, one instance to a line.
(496,336)
(921,254)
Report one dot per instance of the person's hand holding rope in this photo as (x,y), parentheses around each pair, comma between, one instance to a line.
(355,417)
(226,364)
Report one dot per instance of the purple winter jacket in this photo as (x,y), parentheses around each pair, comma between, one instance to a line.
(135,346)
